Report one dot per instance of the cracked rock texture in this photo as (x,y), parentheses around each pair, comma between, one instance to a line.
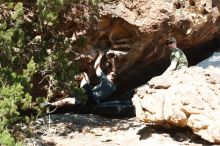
(187,97)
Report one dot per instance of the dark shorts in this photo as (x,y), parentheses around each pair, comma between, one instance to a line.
(91,98)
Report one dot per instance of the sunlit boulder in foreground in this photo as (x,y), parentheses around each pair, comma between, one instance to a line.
(188,97)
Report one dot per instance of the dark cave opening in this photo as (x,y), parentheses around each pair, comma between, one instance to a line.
(130,81)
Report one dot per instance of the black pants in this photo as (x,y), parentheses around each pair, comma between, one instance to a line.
(91,98)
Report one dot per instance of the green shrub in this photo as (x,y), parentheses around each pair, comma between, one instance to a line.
(34,47)
(14,95)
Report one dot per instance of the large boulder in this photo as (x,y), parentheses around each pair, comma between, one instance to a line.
(137,30)
(188,97)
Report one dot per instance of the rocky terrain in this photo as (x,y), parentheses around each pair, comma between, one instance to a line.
(177,108)
(185,98)
(79,130)
(136,31)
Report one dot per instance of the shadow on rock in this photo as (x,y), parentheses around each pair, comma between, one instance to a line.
(83,123)
(113,109)
(177,133)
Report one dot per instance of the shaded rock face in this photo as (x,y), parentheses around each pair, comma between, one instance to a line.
(146,25)
(136,31)
(187,97)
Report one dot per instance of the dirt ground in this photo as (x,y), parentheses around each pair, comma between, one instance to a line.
(93,130)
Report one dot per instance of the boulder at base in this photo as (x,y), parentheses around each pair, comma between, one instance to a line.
(188,97)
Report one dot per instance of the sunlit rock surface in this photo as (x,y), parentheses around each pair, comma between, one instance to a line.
(187,97)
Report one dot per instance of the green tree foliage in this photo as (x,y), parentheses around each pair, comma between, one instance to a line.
(31,44)
(95,2)
(14,95)
(48,11)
